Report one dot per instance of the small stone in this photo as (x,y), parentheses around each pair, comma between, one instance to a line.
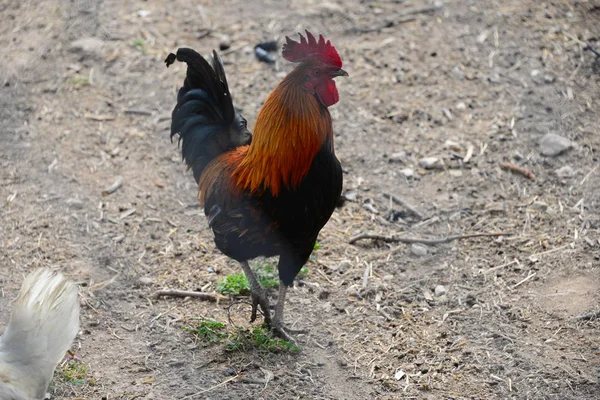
(75,204)
(418,250)
(145,280)
(552,144)
(430,163)
(539,205)
(440,290)
(399,374)
(388,278)
(143,13)
(350,196)
(565,172)
(89,46)
(452,145)
(461,106)
(457,173)
(399,156)
(536,76)
(427,295)
(407,172)
(320,361)
(458,73)
(225,43)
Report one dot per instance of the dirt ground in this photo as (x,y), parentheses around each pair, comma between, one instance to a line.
(512,316)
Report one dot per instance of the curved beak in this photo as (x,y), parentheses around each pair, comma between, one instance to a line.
(339,72)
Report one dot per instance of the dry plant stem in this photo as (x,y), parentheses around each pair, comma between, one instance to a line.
(214,297)
(410,240)
(593,50)
(404,204)
(114,187)
(520,170)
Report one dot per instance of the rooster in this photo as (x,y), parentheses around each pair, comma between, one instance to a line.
(42,326)
(268,193)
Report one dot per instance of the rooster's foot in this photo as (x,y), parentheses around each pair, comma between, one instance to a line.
(262,300)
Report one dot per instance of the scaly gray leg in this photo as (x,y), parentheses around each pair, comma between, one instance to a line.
(278,325)
(258,294)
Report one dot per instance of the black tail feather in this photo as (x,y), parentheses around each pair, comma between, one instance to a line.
(204,117)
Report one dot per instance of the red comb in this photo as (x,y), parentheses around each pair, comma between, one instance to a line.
(311,50)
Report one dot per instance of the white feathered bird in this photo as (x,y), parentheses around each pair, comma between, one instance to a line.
(42,326)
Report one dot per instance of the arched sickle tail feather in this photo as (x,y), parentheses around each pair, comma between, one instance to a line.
(204,117)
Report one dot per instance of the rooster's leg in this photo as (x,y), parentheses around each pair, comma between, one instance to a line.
(258,294)
(278,325)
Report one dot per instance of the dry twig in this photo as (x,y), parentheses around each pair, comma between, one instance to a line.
(593,50)
(520,170)
(214,297)
(114,187)
(410,240)
(404,204)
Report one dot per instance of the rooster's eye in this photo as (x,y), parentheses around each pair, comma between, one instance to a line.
(317,72)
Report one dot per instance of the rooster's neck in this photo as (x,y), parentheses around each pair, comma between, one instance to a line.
(292,126)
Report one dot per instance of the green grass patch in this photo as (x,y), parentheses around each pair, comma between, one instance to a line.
(208,331)
(140,45)
(258,338)
(80,81)
(237,284)
(75,371)
(267,275)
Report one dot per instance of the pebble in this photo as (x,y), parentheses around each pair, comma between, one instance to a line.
(552,144)
(427,295)
(539,205)
(400,156)
(452,145)
(320,361)
(440,290)
(539,77)
(350,196)
(407,172)
(145,280)
(430,163)
(458,73)
(75,204)
(565,172)
(89,46)
(418,250)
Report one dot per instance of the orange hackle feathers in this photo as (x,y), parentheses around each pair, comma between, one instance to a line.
(290,129)
(309,49)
